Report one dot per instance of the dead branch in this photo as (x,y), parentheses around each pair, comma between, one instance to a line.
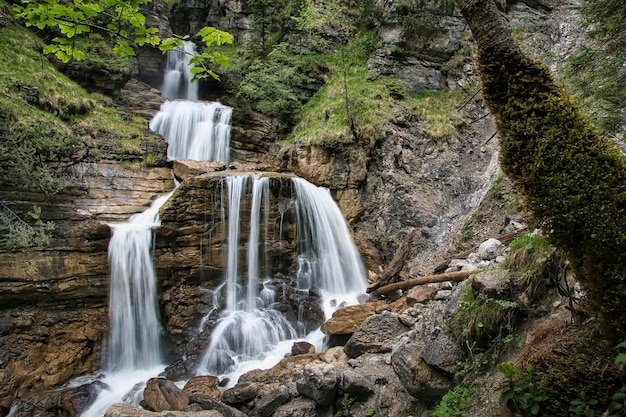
(410,283)
(390,273)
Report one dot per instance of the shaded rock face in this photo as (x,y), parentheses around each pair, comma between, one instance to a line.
(190,258)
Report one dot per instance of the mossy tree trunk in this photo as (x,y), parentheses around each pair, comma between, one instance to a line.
(572,178)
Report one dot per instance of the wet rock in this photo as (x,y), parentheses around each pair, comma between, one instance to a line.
(301,348)
(378,333)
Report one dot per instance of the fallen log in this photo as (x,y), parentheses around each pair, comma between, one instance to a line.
(397,263)
(410,283)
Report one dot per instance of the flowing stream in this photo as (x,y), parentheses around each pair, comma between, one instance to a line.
(249,333)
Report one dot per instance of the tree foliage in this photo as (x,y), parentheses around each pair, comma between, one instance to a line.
(122,20)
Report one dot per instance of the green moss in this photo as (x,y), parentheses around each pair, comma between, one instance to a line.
(574,180)
(589,369)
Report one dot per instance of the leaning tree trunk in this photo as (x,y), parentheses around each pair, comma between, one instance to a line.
(572,178)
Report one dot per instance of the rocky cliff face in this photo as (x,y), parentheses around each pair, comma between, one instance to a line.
(54,314)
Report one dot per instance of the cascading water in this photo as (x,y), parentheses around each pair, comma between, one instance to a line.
(177,79)
(194,130)
(250,333)
(134,349)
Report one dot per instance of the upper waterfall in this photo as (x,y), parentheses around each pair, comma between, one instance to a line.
(177,82)
(195,130)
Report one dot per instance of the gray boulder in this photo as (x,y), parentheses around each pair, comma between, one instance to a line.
(377,334)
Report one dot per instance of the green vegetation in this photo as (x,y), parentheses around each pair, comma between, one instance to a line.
(20,233)
(481,319)
(528,261)
(520,393)
(454,401)
(121,20)
(421,18)
(588,382)
(45,119)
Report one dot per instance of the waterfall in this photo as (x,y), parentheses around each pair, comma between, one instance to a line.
(134,348)
(177,79)
(328,258)
(134,341)
(194,130)
(250,333)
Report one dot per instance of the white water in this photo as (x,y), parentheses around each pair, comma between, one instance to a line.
(250,334)
(134,350)
(177,77)
(194,130)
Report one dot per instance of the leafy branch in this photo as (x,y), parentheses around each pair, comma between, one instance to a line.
(122,21)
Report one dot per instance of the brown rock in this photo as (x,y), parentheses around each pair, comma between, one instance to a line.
(206,385)
(162,394)
(126,410)
(420,294)
(346,320)
(302,348)
(184,169)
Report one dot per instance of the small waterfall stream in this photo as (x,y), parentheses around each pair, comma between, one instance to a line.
(249,332)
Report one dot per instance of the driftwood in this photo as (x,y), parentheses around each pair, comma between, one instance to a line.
(410,283)
(394,268)
(504,239)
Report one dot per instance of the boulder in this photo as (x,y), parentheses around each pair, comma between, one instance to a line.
(491,249)
(300,407)
(205,385)
(378,333)
(318,381)
(271,399)
(127,410)
(420,294)
(491,281)
(346,320)
(443,353)
(208,403)
(162,394)
(371,381)
(422,381)
(240,393)
(301,348)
